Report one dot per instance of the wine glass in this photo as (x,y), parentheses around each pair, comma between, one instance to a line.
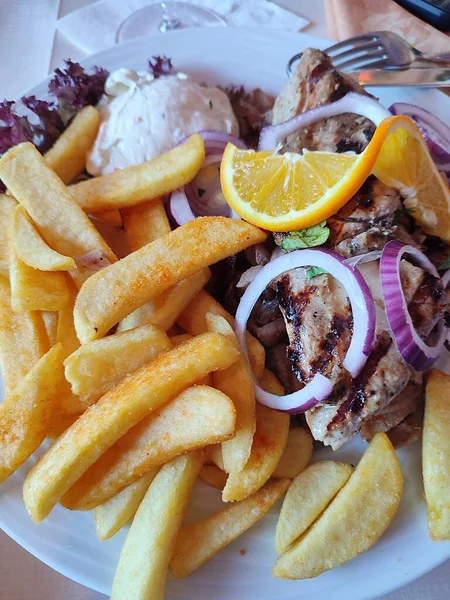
(166,16)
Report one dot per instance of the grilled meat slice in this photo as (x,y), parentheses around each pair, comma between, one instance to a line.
(405,403)
(409,430)
(314,83)
(318,322)
(277,361)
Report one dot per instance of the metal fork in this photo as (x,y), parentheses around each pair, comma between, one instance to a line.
(376,50)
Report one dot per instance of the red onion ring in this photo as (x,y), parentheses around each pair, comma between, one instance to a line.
(413,349)
(180,208)
(446,279)
(354,103)
(435,132)
(363,309)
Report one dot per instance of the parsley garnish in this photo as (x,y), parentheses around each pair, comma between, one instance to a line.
(313,271)
(306,238)
(210,104)
(200,192)
(446,264)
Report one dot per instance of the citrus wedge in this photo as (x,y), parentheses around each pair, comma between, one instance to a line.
(405,164)
(286,192)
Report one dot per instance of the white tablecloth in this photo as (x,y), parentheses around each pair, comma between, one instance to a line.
(28,27)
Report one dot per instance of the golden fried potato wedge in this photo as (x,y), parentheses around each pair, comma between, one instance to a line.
(23,340)
(58,218)
(59,424)
(51,325)
(144,182)
(144,560)
(270,383)
(296,455)
(118,510)
(36,290)
(145,223)
(148,272)
(237,383)
(213,456)
(7,207)
(67,156)
(199,416)
(193,320)
(354,521)
(134,398)
(436,454)
(110,217)
(166,308)
(98,366)
(308,496)
(213,476)
(269,442)
(32,249)
(26,414)
(199,542)
(65,332)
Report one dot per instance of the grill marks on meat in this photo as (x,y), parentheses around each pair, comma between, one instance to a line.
(366,222)
(318,322)
(382,378)
(314,83)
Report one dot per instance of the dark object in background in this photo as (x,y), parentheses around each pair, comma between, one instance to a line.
(434,12)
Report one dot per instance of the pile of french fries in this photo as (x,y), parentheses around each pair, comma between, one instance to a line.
(134,370)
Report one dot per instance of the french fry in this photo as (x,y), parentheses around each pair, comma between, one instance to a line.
(184,337)
(213,476)
(111,217)
(67,156)
(144,560)
(269,442)
(51,325)
(308,496)
(237,383)
(197,417)
(134,398)
(354,521)
(166,308)
(58,218)
(110,228)
(199,542)
(98,366)
(118,510)
(31,248)
(7,207)
(145,223)
(296,455)
(436,454)
(144,182)
(23,340)
(193,320)
(213,456)
(59,424)
(36,290)
(26,414)
(148,272)
(269,382)
(65,332)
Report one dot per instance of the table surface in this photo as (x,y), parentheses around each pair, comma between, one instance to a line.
(21,575)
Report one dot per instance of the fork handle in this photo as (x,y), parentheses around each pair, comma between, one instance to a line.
(435,58)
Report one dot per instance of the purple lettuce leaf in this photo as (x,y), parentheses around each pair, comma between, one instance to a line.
(160,65)
(75,88)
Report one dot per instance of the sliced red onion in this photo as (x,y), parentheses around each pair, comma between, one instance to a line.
(94,260)
(180,208)
(248,276)
(435,131)
(363,310)
(215,138)
(413,349)
(351,103)
(446,279)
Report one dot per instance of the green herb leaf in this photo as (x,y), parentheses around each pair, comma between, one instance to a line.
(306,238)
(446,264)
(313,271)
(210,104)
(200,192)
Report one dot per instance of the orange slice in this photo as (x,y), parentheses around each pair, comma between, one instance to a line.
(405,164)
(286,192)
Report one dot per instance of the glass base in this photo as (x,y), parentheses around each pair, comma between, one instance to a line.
(166,16)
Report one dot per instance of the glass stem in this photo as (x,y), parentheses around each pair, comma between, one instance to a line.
(169,22)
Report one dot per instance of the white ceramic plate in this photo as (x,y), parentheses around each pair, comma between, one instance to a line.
(66,540)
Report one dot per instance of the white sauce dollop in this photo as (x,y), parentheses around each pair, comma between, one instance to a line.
(143,117)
